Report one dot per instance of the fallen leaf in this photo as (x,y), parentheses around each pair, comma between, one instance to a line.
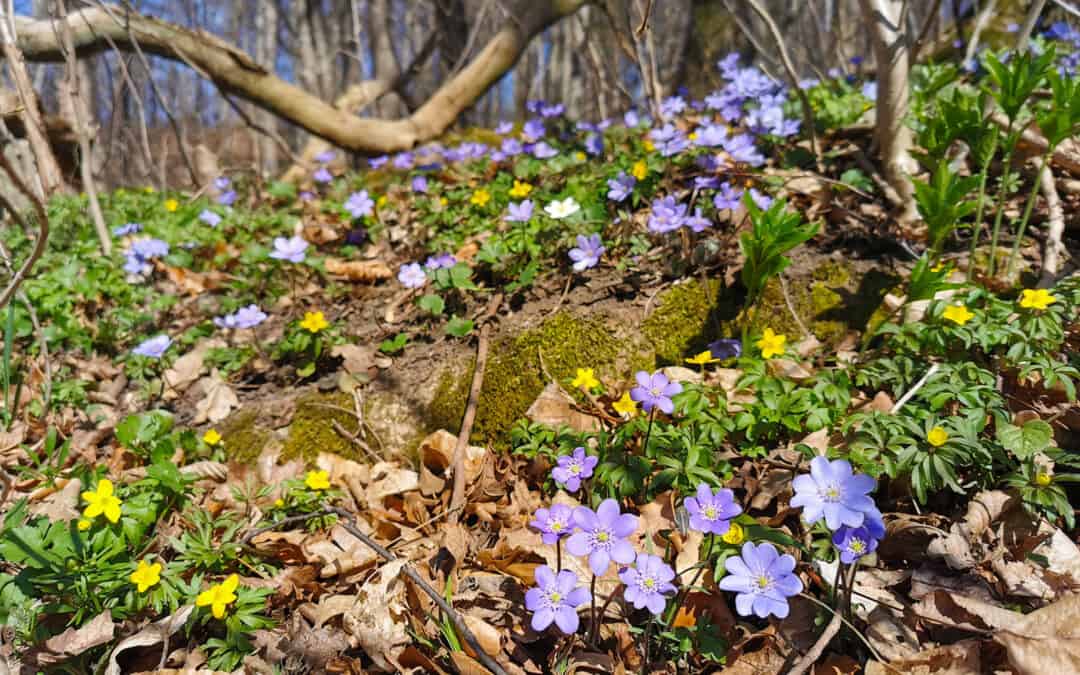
(554,408)
(217,401)
(367,271)
(388,478)
(61,505)
(149,635)
(355,358)
(377,621)
(187,369)
(75,641)
(1045,641)
(961,658)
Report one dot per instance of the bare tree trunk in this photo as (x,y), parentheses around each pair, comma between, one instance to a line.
(266,24)
(893,137)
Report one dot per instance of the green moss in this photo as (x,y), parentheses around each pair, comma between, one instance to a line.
(312,428)
(243,439)
(687,318)
(448,402)
(514,376)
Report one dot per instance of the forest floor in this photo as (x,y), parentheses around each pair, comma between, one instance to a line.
(239,450)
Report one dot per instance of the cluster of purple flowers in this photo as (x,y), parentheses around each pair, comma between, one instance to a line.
(833,492)
(226,195)
(750,92)
(669,140)
(293,249)
(620,187)
(138,256)
(245,317)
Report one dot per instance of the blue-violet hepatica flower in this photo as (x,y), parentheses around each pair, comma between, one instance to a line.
(154,348)
(647,582)
(553,523)
(411,275)
(291,249)
(602,535)
(762,579)
(572,468)
(587,253)
(555,600)
(832,491)
(712,513)
(655,391)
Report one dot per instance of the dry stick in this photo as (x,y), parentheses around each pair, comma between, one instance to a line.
(1029,24)
(1053,250)
(789,67)
(918,385)
(457,496)
(43,229)
(791,307)
(924,32)
(809,658)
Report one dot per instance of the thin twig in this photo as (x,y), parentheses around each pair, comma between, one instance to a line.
(791,307)
(457,496)
(810,657)
(924,32)
(918,385)
(844,621)
(43,229)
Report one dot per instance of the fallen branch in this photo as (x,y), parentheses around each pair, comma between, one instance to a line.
(457,496)
(810,657)
(43,229)
(235,72)
(1054,250)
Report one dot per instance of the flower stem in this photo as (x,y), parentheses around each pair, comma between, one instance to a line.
(977,226)
(685,591)
(558,555)
(648,636)
(1002,194)
(1027,213)
(592,609)
(603,610)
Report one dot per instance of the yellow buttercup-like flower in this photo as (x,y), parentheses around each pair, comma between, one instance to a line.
(102,500)
(171,205)
(771,344)
(381,201)
(639,170)
(937,437)
(735,535)
(649,145)
(211,437)
(958,314)
(218,597)
(579,156)
(585,379)
(1043,479)
(625,406)
(314,322)
(1039,298)
(317,480)
(83,524)
(146,575)
(480,197)
(702,358)
(279,503)
(520,190)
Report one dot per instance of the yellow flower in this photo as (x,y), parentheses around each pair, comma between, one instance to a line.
(692,136)
(958,314)
(219,597)
(146,576)
(639,170)
(314,322)
(937,437)
(317,480)
(83,524)
(579,156)
(1043,479)
(585,379)
(625,406)
(649,145)
(520,190)
(381,201)
(480,197)
(702,358)
(735,535)
(1039,298)
(171,205)
(102,501)
(211,437)
(771,344)
(442,201)
(279,502)
(939,267)
(149,189)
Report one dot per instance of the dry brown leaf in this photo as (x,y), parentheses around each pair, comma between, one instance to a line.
(962,658)
(75,641)
(367,271)
(486,634)
(388,478)
(356,359)
(192,282)
(187,369)
(217,401)
(149,635)
(377,622)
(1047,641)
(554,408)
(61,505)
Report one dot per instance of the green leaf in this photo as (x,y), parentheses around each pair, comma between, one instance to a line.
(458,326)
(1035,436)
(432,304)
(394,345)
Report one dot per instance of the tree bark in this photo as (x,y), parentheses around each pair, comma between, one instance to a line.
(237,73)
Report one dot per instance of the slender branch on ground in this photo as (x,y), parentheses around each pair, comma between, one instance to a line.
(457,496)
(1053,250)
(43,228)
(911,392)
(814,653)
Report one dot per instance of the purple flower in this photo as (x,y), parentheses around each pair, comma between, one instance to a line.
(869,90)
(321,175)
(542,150)
(376,162)
(150,248)
(621,186)
(762,579)
(291,249)
(742,149)
(710,136)
(572,468)
(588,252)
(135,265)
(833,491)
(655,391)
(728,197)
(647,582)
(306,195)
(403,160)
(706,182)
(725,348)
(602,535)
(534,105)
(245,317)
(222,183)
(497,156)
(808,83)
(533,130)
(711,513)
(210,218)
(419,184)
(667,215)
(520,212)
(631,119)
(227,198)
(672,106)
(594,144)
(553,523)
(511,147)
(504,128)
(356,236)
(669,140)
(697,222)
(325,157)
(853,543)
(154,348)
(762,200)
(553,110)
(555,599)
(411,275)
(359,204)
(440,261)
(126,229)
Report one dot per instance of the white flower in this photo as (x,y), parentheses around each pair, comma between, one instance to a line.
(562,209)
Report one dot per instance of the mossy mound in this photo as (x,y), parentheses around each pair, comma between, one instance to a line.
(312,428)
(687,318)
(244,440)
(514,376)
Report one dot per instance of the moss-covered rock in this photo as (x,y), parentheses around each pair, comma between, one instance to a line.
(312,428)
(688,316)
(242,437)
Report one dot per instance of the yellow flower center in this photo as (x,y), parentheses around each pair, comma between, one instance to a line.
(1043,479)
(650,582)
(857,546)
(763,582)
(556,526)
(555,596)
(710,512)
(602,537)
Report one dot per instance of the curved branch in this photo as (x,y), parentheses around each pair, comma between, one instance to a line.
(236,73)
